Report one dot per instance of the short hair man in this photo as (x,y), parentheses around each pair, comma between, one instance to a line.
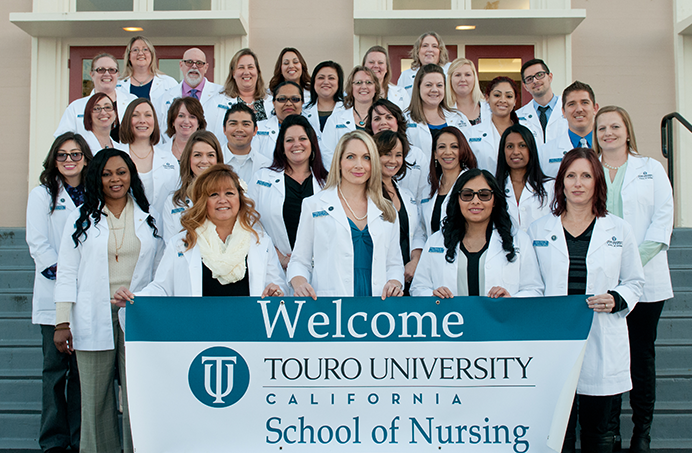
(579,108)
(539,115)
(240,127)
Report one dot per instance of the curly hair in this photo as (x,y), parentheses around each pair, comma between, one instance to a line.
(94,199)
(454,225)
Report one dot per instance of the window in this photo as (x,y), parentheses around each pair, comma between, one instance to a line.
(421,4)
(500,4)
(105,5)
(182,5)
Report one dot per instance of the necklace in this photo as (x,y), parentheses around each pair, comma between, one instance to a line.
(115,237)
(151,148)
(611,166)
(140,83)
(361,122)
(350,208)
(177,149)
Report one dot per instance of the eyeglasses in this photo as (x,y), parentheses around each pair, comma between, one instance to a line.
(106,70)
(138,50)
(105,108)
(483,195)
(360,82)
(76,156)
(198,63)
(538,76)
(285,99)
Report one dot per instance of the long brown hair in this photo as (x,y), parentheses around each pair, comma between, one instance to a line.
(206,184)
(181,195)
(600,192)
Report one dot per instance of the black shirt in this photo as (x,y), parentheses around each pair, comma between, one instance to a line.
(293,201)
(473,264)
(212,287)
(577,247)
(437,213)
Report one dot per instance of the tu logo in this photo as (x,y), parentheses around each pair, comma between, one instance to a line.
(218,377)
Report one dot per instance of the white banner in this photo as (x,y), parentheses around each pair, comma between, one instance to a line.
(353,374)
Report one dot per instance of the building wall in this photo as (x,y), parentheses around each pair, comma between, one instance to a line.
(14,116)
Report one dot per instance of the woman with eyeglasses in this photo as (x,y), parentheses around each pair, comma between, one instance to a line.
(288,100)
(347,242)
(429,48)
(61,192)
(429,112)
(291,67)
(109,242)
(142,77)
(477,253)
(104,74)
(377,60)
(362,89)
(326,95)
(464,92)
(484,138)
(528,190)
(100,122)
(158,169)
(295,174)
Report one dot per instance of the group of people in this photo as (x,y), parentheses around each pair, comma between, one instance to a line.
(321,186)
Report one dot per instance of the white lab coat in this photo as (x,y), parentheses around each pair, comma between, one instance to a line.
(416,235)
(171,218)
(340,123)
(426,206)
(73,118)
(83,278)
(312,114)
(529,117)
(159,84)
(268,189)
(416,178)
(165,171)
(647,204)
(180,271)
(550,154)
(324,240)
(419,133)
(484,140)
(612,263)
(264,141)
(163,102)
(529,208)
(253,163)
(95,146)
(399,96)
(521,277)
(220,104)
(485,113)
(408,76)
(43,235)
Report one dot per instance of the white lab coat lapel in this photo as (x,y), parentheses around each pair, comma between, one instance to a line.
(330,198)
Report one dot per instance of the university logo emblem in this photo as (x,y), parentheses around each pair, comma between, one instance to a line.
(218,377)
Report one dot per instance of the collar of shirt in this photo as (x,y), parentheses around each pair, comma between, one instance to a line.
(575,139)
(187,88)
(551,106)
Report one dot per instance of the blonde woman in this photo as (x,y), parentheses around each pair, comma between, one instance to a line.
(464,92)
(142,77)
(348,230)
(377,59)
(429,48)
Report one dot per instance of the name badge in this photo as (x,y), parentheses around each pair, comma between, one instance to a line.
(408,87)
(436,250)
(645,176)
(80,115)
(521,118)
(263,183)
(412,125)
(555,160)
(262,132)
(424,200)
(223,106)
(341,126)
(60,208)
(177,210)
(180,254)
(475,139)
(540,243)
(168,166)
(319,213)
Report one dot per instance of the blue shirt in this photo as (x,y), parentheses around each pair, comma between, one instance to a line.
(551,107)
(575,139)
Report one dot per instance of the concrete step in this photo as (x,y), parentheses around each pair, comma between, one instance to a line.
(681,236)
(19,430)
(680,255)
(18,329)
(16,360)
(16,255)
(20,390)
(17,277)
(672,427)
(674,355)
(682,300)
(16,301)
(680,274)
(675,325)
(12,237)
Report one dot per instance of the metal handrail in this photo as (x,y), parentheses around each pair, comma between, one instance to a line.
(668,142)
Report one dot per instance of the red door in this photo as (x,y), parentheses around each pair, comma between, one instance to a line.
(525,53)
(81,56)
(398,53)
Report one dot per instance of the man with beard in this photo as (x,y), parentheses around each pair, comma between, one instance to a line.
(194,66)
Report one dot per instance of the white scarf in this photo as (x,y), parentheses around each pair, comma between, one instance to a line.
(225,260)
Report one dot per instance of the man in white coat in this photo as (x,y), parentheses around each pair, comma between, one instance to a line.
(240,127)
(194,67)
(579,108)
(540,115)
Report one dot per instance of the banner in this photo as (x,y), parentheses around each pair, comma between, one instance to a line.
(406,374)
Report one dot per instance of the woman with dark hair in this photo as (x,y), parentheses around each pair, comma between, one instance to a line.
(326,94)
(581,249)
(484,138)
(157,168)
(429,112)
(429,48)
(288,100)
(377,60)
(451,157)
(362,90)
(101,122)
(477,253)
(528,190)
(393,149)
(201,152)
(220,251)
(639,192)
(142,77)
(296,173)
(114,243)
(185,117)
(384,115)
(291,67)
(61,192)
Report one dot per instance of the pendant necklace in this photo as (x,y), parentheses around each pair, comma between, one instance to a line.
(350,208)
